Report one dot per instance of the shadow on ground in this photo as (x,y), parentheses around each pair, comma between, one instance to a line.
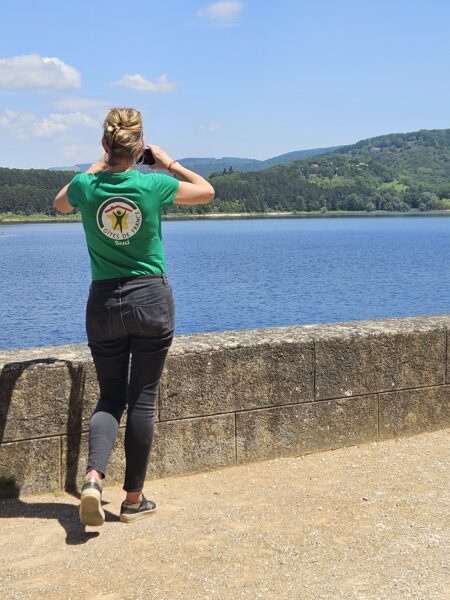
(66,514)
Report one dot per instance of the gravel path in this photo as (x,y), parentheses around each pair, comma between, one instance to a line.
(369,522)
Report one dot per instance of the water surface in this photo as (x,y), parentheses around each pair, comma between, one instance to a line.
(236,274)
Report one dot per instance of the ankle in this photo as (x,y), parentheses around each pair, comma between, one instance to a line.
(134,497)
(94,474)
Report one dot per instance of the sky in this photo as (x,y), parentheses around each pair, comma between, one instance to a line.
(250,78)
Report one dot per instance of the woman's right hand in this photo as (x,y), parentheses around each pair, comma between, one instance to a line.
(193,188)
(162,159)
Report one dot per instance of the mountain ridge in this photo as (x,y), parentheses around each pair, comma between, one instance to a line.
(205,166)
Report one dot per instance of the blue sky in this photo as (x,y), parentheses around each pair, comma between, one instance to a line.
(251,78)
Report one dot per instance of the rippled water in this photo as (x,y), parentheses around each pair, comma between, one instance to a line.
(236,274)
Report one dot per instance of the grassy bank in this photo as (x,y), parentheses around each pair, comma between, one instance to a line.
(10,218)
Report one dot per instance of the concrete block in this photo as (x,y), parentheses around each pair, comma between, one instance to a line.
(30,467)
(447,370)
(191,445)
(36,399)
(304,428)
(184,446)
(410,412)
(233,379)
(349,365)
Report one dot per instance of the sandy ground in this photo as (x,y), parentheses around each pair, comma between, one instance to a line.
(365,522)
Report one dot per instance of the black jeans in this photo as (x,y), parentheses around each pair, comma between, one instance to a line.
(130,324)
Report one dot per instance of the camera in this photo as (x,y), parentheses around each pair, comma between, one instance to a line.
(146,158)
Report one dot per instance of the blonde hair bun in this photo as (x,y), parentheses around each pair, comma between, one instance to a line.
(122,133)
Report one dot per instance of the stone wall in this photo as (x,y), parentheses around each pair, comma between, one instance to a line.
(230,397)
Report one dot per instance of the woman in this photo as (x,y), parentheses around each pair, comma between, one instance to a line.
(130,313)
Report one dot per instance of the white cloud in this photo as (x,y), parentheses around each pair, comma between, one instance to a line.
(221,14)
(213,127)
(138,82)
(34,72)
(72,102)
(72,152)
(210,128)
(26,126)
(81,153)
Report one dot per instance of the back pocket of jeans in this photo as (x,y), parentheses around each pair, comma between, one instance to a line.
(98,323)
(151,319)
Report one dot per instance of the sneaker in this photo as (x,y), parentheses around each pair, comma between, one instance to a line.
(132,512)
(91,511)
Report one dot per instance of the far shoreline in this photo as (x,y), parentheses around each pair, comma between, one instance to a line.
(18,219)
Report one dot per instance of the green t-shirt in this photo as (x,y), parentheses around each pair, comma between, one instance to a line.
(121,214)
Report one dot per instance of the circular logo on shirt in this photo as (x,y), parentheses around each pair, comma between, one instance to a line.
(119,218)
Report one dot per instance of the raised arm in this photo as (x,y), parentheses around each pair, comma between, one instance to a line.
(61,202)
(193,188)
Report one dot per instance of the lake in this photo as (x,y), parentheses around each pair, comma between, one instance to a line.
(237,274)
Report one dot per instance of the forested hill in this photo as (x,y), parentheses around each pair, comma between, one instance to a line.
(30,191)
(422,156)
(207,166)
(390,172)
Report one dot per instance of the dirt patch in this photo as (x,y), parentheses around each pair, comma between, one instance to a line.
(365,522)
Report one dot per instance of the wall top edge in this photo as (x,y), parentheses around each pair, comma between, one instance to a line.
(243,338)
